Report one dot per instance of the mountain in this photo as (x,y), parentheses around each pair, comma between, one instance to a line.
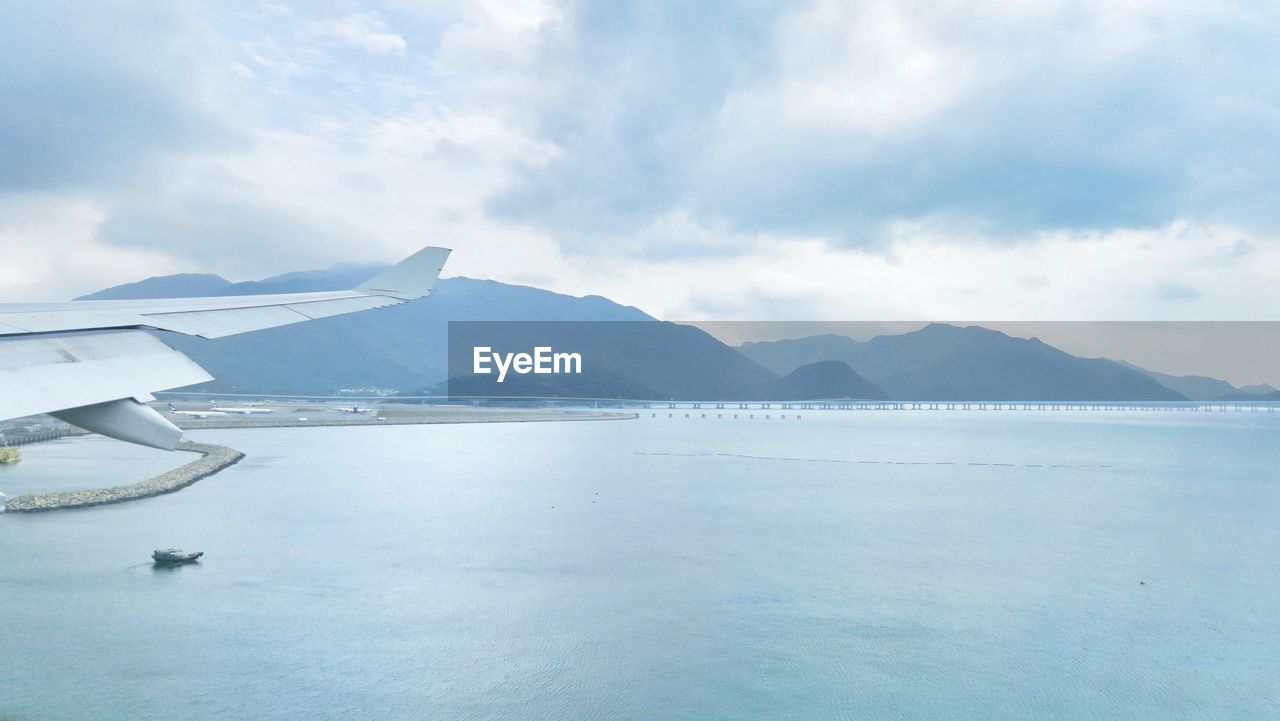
(405,348)
(947,362)
(784,356)
(1204,388)
(393,348)
(1251,397)
(627,353)
(653,360)
(826,379)
(639,360)
(1196,388)
(183,285)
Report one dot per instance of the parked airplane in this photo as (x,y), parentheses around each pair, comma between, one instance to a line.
(240,411)
(194,414)
(356,409)
(94,365)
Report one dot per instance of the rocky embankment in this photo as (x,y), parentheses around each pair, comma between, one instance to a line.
(213,459)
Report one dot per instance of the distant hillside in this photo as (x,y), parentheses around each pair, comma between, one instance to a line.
(1204,388)
(946,362)
(652,360)
(1196,388)
(1272,397)
(644,360)
(404,347)
(393,348)
(183,285)
(827,379)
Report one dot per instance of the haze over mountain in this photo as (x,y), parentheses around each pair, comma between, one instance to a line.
(1204,388)
(946,362)
(1271,397)
(827,379)
(394,348)
(404,349)
(653,360)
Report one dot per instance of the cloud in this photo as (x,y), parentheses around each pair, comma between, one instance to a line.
(361,30)
(220,232)
(840,118)
(761,159)
(51,251)
(1176,291)
(97,98)
(1090,276)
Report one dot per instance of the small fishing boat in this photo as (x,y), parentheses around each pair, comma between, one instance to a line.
(175,555)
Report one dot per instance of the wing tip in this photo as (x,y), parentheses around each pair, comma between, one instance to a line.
(411,278)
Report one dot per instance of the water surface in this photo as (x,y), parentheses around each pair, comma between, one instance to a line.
(860,565)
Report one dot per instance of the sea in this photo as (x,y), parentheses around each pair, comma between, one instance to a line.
(904,565)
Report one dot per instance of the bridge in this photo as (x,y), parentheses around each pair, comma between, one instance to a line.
(879,405)
(832,404)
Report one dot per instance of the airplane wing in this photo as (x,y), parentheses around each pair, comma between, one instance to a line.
(92,363)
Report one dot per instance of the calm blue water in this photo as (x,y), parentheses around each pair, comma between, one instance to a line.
(864,565)
(85,462)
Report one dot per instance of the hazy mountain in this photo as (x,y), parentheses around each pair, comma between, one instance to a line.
(661,360)
(392,348)
(183,285)
(1251,397)
(1196,388)
(826,379)
(404,347)
(1204,388)
(946,362)
(784,356)
(643,360)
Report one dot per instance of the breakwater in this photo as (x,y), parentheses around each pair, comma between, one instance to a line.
(213,458)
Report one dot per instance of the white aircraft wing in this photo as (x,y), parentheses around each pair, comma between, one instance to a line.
(92,364)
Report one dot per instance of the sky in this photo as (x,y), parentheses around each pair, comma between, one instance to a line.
(988,159)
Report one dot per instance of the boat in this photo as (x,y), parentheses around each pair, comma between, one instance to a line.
(175,555)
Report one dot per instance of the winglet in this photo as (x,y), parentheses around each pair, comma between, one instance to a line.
(411,278)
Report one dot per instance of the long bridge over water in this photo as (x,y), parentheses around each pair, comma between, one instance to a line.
(878,405)
(836,404)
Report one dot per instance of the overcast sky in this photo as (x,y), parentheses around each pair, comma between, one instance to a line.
(989,159)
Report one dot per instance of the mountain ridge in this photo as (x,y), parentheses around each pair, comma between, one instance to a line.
(405,348)
(945,362)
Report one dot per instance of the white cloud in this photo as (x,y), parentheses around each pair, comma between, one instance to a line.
(51,251)
(873,68)
(361,30)
(924,274)
(988,159)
